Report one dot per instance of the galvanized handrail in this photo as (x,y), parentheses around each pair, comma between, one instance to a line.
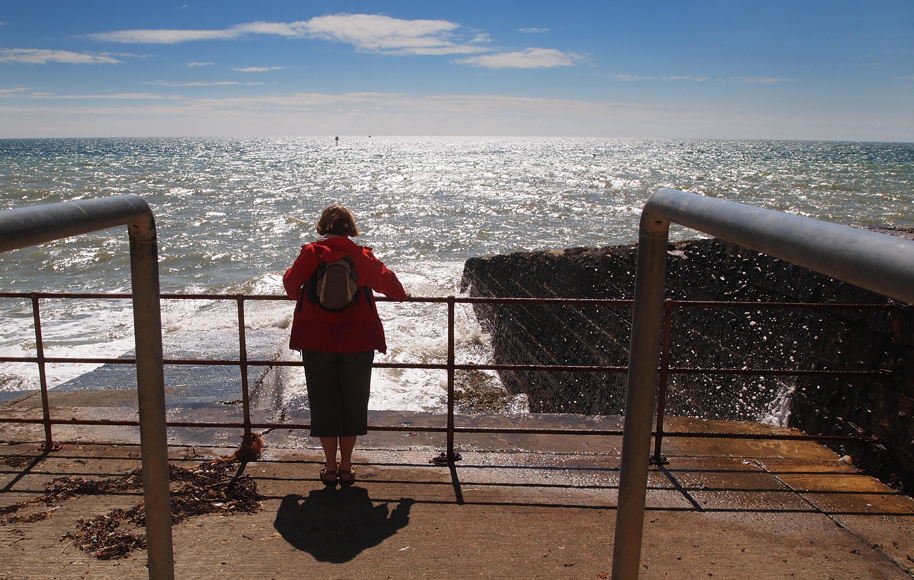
(876,262)
(28,226)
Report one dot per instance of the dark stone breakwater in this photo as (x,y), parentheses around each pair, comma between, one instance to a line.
(880,407)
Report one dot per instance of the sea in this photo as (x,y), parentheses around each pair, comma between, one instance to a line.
(232,214)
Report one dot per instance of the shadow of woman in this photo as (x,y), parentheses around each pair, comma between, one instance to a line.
(335,526)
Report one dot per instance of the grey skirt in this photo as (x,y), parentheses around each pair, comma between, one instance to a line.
(338,388)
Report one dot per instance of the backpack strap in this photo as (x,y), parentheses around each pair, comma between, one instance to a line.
(310,288)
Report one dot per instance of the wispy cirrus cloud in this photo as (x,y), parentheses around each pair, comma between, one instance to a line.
(634,78)
(163,36)
(199,83)
(45,56)
(529,58)
(112,96)
(256,69)
(196,64)
(370,32)
(700,79)
(762,80)
(30,94)
(534,30)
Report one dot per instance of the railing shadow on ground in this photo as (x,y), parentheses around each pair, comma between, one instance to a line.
(707,485)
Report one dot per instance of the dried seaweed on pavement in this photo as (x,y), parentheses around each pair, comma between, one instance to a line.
(102,536)
(35,517)
(205,489)
(19,460)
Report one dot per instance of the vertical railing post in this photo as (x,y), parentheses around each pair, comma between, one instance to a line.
(243,364)
(42,378)
(451,457)
(147,316)
(657,459)
(22,227)
(647,319)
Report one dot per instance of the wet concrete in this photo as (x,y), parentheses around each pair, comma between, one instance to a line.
(514,506)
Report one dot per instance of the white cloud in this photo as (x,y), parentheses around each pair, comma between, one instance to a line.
(164,36)
(530,58)
(113,96)
(45,56)
(260,68)
(199,83)
(761,80)
(633,78)
(534,30)
(386,34)
(275,28)
(370,32)
(195,64)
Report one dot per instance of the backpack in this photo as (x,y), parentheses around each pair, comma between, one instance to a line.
(334,285)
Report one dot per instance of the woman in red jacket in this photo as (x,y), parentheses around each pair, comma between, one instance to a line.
(338,345)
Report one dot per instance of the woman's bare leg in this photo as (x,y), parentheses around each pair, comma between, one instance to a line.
(329,445)
(347,444)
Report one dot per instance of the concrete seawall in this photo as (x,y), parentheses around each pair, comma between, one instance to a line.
(879,407)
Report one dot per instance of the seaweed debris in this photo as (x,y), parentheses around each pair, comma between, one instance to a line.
(205,489)
(19,460)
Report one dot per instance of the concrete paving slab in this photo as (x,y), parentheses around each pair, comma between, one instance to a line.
(494,514)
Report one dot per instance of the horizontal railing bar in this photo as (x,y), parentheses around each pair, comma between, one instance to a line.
(278,297)
(458,429)
(484,300)
(786,305)
(462,367)
(876,262)
(294,363)
(774,372)
(770,436)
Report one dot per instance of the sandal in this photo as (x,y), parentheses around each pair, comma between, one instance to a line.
(350,480)
(325,478)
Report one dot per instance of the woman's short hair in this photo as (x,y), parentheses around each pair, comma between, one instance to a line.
(337,220)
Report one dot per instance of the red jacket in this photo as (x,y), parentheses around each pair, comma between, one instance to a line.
(357,328)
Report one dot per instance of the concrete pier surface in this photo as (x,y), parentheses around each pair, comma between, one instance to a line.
(514,506)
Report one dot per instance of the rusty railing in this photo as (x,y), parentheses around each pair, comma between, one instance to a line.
(449,366)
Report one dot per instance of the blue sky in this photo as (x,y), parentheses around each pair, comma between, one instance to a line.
(681,69)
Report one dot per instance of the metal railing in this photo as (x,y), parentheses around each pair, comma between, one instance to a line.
(875,262)
(29,226)
(648,360)
(244,362)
